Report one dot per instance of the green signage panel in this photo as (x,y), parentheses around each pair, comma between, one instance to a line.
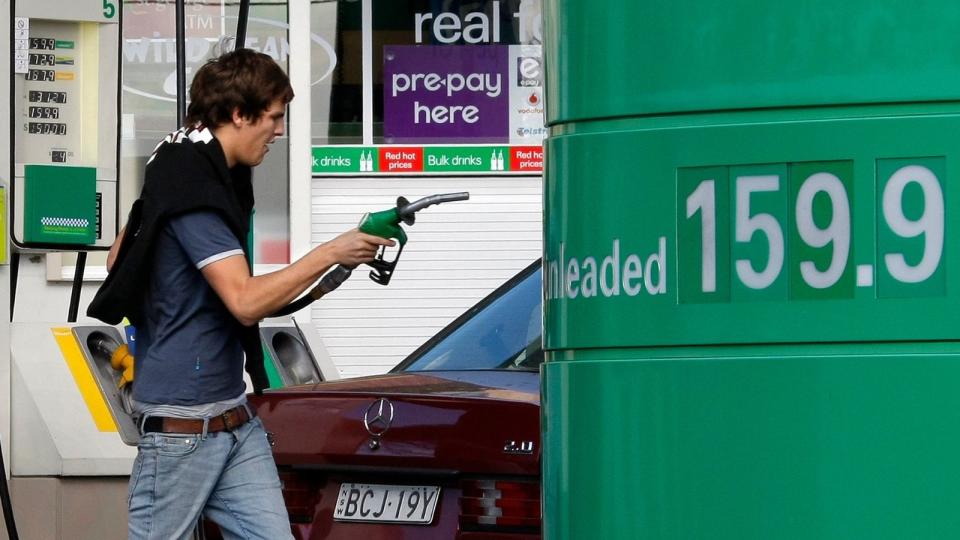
(344,159)
(793,231)
(60,204)
(750,270)
(466,158)
(855,441)
(642,58)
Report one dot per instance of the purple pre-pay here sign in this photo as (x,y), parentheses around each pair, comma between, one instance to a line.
(446,93)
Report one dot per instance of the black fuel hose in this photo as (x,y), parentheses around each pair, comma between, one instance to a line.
(6,501)
(77,285)
(329,282)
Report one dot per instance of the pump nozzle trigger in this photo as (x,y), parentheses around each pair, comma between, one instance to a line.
(386,224)
(383,269)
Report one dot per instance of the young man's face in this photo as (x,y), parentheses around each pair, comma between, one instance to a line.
(257,133)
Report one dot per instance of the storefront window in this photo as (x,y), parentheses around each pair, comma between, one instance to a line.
(336,57)
(149,96)
(440,72)
(457,71)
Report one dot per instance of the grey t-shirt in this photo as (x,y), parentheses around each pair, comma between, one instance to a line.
(188,348)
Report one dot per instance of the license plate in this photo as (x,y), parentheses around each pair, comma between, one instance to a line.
(382,503)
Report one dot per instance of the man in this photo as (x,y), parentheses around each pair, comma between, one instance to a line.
(179,271)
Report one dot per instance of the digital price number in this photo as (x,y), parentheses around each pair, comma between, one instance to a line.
(43,96)
(51,113)
(768,232)
(46,128)
(37,59)
(43,44)
(43,75)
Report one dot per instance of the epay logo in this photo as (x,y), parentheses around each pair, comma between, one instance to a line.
(529,72)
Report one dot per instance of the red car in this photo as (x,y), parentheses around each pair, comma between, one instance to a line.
(446,445)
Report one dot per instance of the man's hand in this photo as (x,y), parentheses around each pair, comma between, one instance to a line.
(354,248)
(250,298)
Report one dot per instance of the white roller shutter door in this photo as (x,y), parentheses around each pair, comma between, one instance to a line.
(456,254)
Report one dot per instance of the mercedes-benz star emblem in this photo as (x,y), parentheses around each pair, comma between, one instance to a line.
(378,417)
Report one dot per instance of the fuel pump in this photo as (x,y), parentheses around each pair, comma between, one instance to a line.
(60,170)
(65,85)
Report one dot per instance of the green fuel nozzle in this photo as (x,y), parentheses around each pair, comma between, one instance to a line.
(386,224)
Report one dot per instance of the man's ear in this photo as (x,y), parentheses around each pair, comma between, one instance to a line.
(236,117)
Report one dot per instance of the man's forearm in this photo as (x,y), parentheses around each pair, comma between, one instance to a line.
(251,298)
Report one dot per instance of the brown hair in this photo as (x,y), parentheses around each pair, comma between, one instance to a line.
(243,79)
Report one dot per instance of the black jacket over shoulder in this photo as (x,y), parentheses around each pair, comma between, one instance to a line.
(187,172)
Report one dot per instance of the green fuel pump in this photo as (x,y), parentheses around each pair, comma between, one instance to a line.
(750,270)
(385,224)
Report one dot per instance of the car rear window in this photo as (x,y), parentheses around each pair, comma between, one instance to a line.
(504,334)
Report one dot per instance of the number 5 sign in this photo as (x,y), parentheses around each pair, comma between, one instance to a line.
(109,9)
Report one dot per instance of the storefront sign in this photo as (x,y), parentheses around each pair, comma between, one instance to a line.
(526,158)
(446,93)
(474,75)
(401,159)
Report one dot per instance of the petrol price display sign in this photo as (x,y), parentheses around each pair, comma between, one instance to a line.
(796,220)
(800,231)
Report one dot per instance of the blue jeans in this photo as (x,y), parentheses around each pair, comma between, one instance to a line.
(230,476)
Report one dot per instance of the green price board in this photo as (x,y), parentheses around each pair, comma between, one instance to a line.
(750,270)
(823,232)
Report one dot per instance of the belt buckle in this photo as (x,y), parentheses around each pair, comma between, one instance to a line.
(228,425)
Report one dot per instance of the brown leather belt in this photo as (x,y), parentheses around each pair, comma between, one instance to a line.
(228,421)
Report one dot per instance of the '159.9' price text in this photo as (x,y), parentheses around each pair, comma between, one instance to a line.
(788,230)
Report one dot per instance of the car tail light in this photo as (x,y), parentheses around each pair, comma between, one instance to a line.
(500,503)
(301,493)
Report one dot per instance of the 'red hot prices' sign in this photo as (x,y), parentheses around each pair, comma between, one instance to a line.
(526,158)
(401,159)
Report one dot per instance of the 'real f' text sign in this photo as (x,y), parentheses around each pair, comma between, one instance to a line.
(450,93)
